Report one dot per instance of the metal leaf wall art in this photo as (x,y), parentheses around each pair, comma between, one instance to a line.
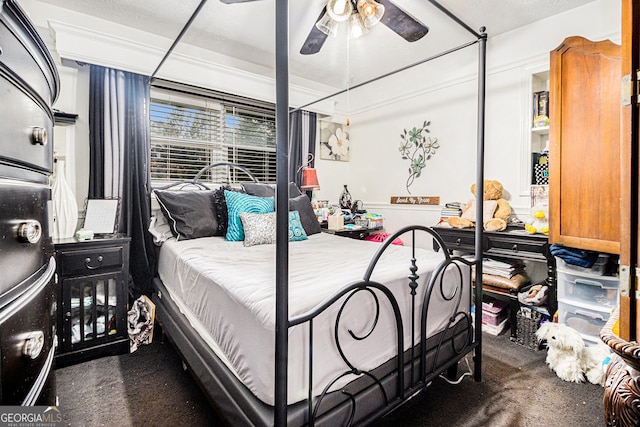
(417,147)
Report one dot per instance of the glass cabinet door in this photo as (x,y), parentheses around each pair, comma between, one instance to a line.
(90,309)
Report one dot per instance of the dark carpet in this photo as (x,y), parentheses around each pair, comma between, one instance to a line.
(151,388)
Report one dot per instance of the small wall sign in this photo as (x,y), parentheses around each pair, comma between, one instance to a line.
(415,200)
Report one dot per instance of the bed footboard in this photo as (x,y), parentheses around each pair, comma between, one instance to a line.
(370,393)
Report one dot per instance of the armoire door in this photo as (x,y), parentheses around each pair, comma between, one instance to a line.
(629,319)
(584,143)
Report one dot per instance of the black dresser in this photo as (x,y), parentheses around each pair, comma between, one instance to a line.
(29,85)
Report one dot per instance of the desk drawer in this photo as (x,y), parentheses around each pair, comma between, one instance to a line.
(92,261)
(512,246)
(457,241)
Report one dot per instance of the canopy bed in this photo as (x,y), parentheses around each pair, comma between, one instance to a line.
(301,333)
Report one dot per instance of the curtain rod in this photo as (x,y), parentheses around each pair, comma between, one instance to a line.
(177,40)
(446,52)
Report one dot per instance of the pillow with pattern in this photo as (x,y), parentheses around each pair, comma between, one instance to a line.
(260,229)
(240,202)
(296,230)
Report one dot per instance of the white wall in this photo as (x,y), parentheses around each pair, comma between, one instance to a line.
(444,93)
(450,105)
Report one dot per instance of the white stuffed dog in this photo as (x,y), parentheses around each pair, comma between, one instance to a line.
(568,356)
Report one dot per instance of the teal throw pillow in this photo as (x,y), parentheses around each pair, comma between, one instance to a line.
(240,202)
(296,231)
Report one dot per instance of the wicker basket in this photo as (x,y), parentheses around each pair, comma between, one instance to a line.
(528,322)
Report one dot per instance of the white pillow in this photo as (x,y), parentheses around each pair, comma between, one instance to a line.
(159,229)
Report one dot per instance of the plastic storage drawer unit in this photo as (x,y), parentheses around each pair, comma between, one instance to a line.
(597,292)
(597,269)
(584,320)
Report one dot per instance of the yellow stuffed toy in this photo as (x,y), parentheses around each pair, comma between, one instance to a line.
(539,222)
(496,210)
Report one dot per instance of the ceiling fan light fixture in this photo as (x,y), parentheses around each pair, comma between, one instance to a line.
(327,25)
(356,26)
(339,10)
(371,12)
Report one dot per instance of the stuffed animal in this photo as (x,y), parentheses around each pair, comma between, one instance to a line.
(496,210)
(539,222)
(568,356)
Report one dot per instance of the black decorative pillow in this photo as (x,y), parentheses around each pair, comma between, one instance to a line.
(302,204)
(220,203)
(261,189)
(190,214)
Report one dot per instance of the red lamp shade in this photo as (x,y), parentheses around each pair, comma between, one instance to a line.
(309,179)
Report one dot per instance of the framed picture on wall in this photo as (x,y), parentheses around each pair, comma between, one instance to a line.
(334,141)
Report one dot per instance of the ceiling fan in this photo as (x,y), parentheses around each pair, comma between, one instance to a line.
(361,14)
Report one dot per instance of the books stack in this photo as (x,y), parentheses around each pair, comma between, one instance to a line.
(502,269)
(450,210)
(541,109)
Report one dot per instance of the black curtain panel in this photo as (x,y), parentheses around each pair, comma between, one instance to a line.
(302,142)
(96,135)
(119,160)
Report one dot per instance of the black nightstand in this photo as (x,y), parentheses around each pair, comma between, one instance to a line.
(93,279)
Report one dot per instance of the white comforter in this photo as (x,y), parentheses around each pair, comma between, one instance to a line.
(228,293)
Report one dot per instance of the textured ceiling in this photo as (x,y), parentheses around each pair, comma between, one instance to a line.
(246,30)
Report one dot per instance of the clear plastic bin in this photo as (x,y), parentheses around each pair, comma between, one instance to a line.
(597,292)
(598,267)
(587,322)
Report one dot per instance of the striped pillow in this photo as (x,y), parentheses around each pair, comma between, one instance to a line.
(240,202)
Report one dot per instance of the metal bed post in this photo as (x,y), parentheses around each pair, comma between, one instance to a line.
(282,211)
(482,74)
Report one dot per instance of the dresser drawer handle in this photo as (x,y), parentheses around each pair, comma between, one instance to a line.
(30,232)
(87,263)
(514,248)
(33,344)
(39,135)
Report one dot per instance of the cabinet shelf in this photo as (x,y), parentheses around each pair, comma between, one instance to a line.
(543,130)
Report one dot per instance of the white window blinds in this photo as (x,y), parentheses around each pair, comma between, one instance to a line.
(193,128)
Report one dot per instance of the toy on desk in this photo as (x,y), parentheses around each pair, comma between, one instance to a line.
(374,220)
(539,222)
(496,209)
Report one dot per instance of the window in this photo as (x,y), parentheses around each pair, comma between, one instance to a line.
(193,128)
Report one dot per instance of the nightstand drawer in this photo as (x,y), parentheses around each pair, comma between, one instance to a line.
(95,260)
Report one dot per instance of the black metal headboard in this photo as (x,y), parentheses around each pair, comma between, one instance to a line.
(195,181)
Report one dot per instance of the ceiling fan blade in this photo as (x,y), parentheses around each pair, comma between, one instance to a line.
(315,39)
(400,22)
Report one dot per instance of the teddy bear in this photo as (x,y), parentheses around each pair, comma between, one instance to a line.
(496,210)
(539,222)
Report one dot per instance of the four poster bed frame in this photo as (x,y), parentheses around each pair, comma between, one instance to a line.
(373,393)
